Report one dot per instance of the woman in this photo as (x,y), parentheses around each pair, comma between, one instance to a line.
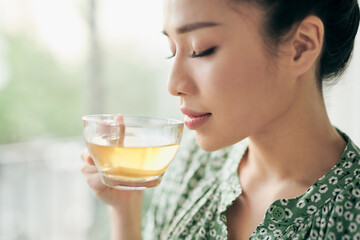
(249,76)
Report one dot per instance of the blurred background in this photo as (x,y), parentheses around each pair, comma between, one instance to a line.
(61,59)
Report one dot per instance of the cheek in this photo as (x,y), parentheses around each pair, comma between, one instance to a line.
(237,79)
(246,90)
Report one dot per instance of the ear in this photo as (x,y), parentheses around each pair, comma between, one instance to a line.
(306,44)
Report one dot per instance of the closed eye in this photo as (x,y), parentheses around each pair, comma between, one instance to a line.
(171,56)
(207,52)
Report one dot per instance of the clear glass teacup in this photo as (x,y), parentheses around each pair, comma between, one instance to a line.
(131,152)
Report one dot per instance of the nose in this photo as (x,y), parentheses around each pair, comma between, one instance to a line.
(180,82)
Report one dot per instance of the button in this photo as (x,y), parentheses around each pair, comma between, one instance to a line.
(278,213)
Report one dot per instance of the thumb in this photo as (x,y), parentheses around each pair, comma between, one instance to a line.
(89,160)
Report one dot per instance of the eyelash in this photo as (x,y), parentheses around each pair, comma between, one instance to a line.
(205,53)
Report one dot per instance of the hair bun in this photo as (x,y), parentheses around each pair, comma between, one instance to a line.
(341,21)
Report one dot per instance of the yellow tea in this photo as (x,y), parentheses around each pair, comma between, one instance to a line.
(126,163)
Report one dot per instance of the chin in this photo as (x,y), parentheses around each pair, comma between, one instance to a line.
(211,143)
(207,144)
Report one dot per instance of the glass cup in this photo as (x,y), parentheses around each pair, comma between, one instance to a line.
(131,152)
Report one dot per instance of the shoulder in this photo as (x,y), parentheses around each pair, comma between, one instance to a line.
(345,214)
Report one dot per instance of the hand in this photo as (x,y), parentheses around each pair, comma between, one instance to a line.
(114,197)
(125,205)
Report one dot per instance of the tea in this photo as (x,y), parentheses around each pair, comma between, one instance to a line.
(124,162)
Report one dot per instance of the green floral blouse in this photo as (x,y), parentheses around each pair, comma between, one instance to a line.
(198,187)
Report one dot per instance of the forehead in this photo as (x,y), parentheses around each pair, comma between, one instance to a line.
(180,12)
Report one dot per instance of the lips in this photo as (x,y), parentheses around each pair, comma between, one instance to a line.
(194,120)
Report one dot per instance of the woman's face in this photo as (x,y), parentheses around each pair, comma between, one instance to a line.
(229,87)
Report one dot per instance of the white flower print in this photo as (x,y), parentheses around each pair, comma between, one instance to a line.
(331,236)
(209,215)
(271,227)
(351,154)
(213,233)
(357,206)
(345,237)
(300,204)
(223,218)
(348,205)
(348,216)
(318,220)
(333,180)
(316,197)
(340,197)
(339,210)
(352,227)
(263,231)
(323,222)
(277,233)
(309,224)
(268,238)
(197,216)
(301,227)
(275,220)
(323,188)
(311,209)
(336,191)
(331,222)
(284,202)
(348,180)
(338,171)
(357,236)
(288,213)
(309,189)
(202,232)
(313,234)
(339,227)
(325,210)
(356,193)
(290,234)
(347,164)
(358,218)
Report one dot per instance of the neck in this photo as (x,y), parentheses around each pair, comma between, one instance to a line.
(301,145)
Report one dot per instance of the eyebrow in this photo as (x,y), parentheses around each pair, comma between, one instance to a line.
(192,27)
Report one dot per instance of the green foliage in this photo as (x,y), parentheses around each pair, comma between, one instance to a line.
(42,97)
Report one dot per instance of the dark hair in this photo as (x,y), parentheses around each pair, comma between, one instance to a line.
(340,19)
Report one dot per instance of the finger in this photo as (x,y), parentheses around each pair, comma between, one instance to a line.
(95,183)
(84,154)
(88,169)
(120,119)
(89,160)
